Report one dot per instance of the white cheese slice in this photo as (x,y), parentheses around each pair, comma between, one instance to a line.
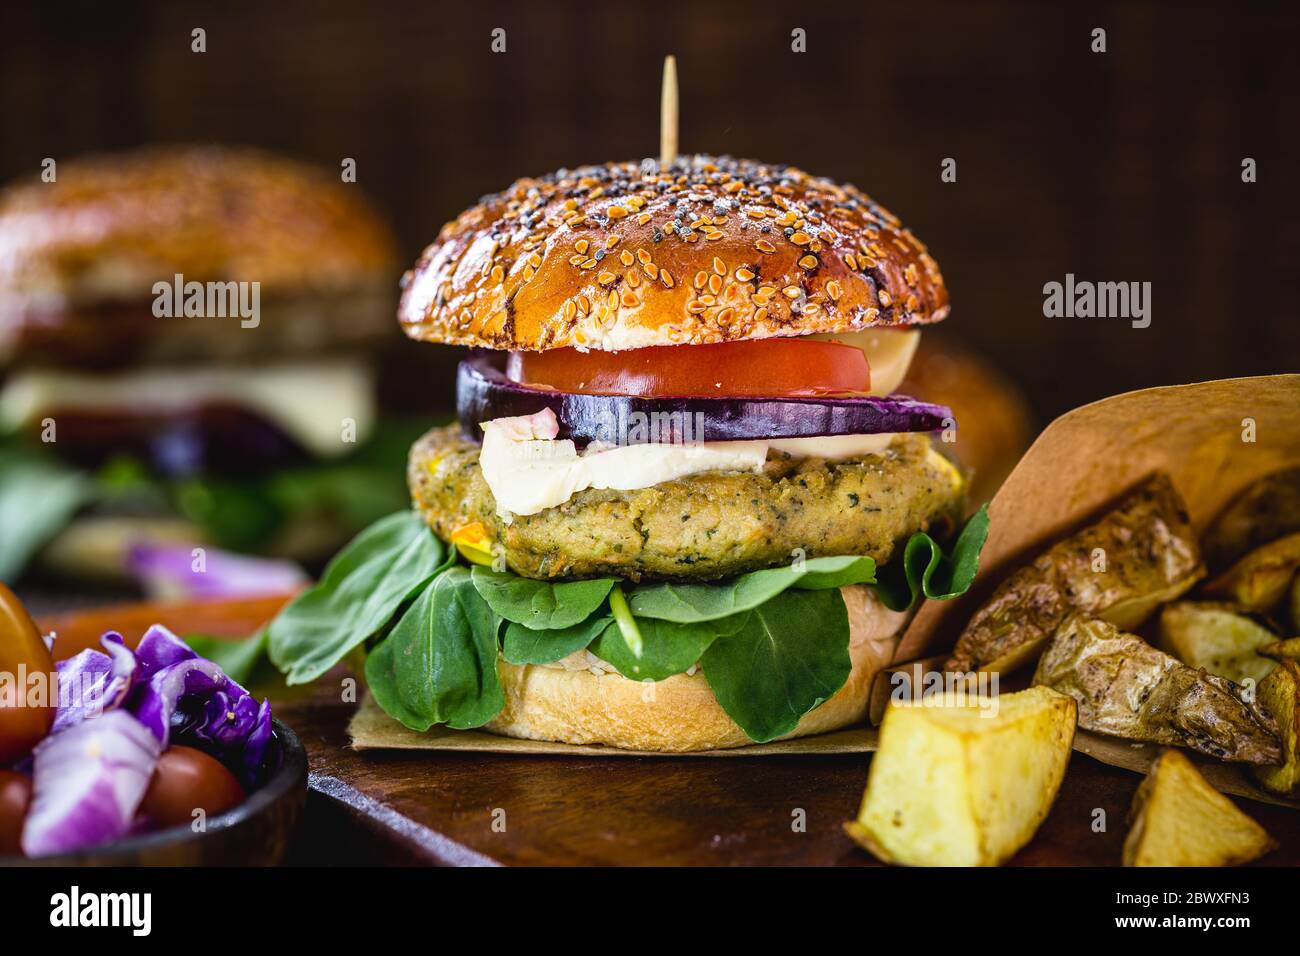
(889,353)
(529,470)
(834,447)
(320,404)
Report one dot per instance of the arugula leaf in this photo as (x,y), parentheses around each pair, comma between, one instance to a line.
(524,645)
(439,663)
(362,588)
(540,605)
(37,500)
(667,648)
(788,656)
(692,602)
(925,569)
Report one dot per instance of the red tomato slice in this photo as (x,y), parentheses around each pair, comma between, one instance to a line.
(764,368)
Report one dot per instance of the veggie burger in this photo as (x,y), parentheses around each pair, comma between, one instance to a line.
(178,327)
(674,510)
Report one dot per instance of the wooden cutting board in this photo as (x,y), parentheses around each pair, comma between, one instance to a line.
(488,809)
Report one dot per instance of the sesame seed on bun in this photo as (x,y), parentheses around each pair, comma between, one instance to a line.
(629,255)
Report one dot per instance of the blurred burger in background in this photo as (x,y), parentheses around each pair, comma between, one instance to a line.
(186,357)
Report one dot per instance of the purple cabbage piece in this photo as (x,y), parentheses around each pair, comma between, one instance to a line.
(159,701)
(189,696)
(87,783)
(227,719)
(158,649)
(93,683)
(259,739)
(168,572)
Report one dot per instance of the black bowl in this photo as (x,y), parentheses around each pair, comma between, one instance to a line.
(255,833)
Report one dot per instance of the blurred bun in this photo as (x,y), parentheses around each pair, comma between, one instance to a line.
(630,255)
(79,256)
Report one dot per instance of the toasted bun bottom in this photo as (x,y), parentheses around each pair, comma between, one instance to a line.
(676,715)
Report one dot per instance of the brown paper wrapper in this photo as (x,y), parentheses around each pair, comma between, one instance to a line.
(372,729)
(1093,455)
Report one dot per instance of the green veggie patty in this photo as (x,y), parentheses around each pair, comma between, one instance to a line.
(701,527)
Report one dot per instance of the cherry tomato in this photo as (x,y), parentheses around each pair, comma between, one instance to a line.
(15,795)
(763,368)
(25,718)
(186,780)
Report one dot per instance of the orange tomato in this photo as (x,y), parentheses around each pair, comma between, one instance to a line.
(763,368)
(24,719)
(186,780)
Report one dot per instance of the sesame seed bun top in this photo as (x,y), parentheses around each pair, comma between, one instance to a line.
(112,225)
(629,255)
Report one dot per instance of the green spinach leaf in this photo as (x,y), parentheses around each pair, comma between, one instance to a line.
(361,590)
(666,648)
(692,602)
(540,605)
(925,569)
(439,663)
(789,655)
(524,645)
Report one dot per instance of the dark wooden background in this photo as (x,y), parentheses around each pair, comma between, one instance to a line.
(1121,166)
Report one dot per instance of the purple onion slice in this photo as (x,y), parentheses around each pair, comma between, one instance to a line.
(483,392)
(87,782)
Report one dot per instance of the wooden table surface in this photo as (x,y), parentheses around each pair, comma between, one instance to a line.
(403,807)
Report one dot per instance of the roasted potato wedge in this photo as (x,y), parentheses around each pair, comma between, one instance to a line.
(1265,511)
(1127,688)
(966,783)
(1149,555)
(1279,694)
(1288,650)
(1178,819)
(1260,580)
(1217,637)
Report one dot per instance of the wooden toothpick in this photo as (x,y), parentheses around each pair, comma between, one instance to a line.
(668,114)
